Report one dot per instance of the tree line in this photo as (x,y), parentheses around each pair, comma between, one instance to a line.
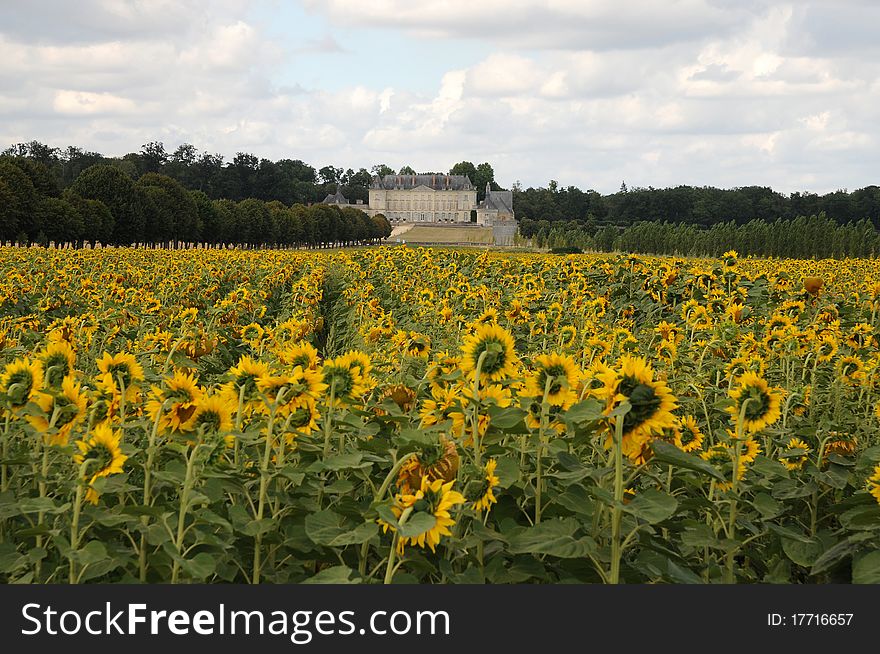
(544,208)
(816,236)
(106,204)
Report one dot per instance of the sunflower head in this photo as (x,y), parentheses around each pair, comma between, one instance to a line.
(796,454)
(493,346)
(757,403)
(100,456)
(58,361)
(122,366)
(20,382)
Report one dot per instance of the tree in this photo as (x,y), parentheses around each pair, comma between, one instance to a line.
(465,168)
(117,191)
(179,211)
(17,212)
(406,170)
(381,170)
(97,221)
(60,220)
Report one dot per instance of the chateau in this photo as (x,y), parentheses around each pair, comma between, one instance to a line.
(436,199)
(443,199)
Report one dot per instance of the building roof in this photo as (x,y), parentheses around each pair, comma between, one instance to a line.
(501,201)
(335,198)
(436,182)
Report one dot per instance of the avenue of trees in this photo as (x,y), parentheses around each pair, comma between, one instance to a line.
(76,197)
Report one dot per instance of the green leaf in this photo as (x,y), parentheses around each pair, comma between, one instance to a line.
(331,529)
(767,506)
(507,471)
(339,574)
(553,537)
(417,524)
(668,453)
(802,553)
(681,575)
(866,569)
(346,461)
(92,552)
(790,534)
(506,418)
(584,412)
(201,566)
(652,506)
(44,504)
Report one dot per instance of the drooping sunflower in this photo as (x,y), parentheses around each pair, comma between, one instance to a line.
(439,460)
(500,359)
(690,438)
(763,406)
(245,375)
(58,361)
(252,334)
(20,382)
(850,370)
(125,371)
(797,454)
(486,495)
(443,370)
(174,402)
(344,377)
(212,415)
(651,402)
(434,499)
(558,374)
(302,354)
(102,446)
(303,419)
(62,410)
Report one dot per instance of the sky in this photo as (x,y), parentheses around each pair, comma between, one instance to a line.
(589,93)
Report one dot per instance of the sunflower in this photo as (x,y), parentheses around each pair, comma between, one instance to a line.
(62,410)
(442,370)
(174,403)
(245,375)
(20,382)
(439,460)
(440,406)
(303,419)
(690,438)
(850,370)
(434,499)
(58,361)
(302,354)
(495,345)
(763,406)
(874,484)
(122,365)
(556,374)
(343,376)
(105,399)
(486,496)
(102,446)
(651,402)
(797,454)
(212,415)
(252,334)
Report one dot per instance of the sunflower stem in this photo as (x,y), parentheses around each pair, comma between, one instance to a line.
(181,514)
(729,576)
(390,569)
(475,424)
(539,481)
(148,492)
(617,511)
(264,487)
(74,523)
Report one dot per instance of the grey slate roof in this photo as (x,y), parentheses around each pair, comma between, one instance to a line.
(501,201)
(336,198)
(436,182)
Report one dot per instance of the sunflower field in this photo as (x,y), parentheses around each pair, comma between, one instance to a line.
(417,415)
